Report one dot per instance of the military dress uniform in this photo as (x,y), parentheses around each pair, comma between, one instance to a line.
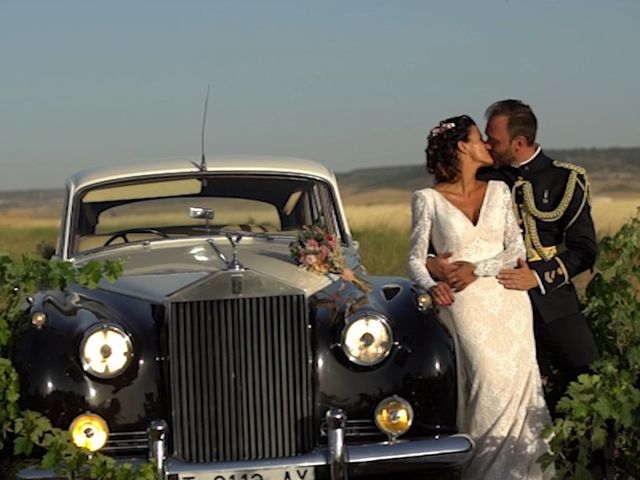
(552,205)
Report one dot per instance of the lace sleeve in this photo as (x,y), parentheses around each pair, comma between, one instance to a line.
(421,217)
(513,243)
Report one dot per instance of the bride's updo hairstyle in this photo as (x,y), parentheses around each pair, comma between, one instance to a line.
(442,147)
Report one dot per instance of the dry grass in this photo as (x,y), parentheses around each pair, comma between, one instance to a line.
(18,239)
(609,214)
(389,215)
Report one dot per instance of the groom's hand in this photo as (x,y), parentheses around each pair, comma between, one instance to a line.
(461,275)
(521,278)
(439,266)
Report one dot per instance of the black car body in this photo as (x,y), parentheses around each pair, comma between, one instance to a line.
(216,354)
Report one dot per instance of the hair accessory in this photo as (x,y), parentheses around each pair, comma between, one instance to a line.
(440,129)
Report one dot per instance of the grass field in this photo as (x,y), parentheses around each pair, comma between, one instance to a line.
(382,230)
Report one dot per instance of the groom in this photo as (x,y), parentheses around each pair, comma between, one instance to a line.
(552,206)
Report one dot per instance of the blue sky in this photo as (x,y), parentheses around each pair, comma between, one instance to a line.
(352,83)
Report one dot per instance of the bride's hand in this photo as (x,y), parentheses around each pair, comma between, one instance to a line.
(462,275)
(442,294)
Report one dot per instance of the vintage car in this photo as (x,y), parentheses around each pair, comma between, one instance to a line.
(217,355)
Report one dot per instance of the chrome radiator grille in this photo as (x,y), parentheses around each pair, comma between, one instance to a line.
(241,378)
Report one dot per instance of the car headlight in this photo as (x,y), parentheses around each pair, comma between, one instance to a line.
(367,339)
(105,351)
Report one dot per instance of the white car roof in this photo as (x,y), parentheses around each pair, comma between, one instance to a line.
(215,164)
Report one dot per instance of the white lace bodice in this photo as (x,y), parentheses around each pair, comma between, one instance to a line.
(493,243)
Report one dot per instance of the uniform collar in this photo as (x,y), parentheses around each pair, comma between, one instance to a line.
(529,160)
(537,162)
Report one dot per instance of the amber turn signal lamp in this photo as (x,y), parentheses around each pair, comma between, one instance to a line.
(394,416)
(424,302)
(89,431)
(38,319)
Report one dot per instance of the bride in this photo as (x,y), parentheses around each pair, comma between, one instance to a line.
(504,406)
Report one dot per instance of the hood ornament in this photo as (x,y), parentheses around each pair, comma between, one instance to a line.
(234,239)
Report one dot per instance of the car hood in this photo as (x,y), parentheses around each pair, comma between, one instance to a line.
(156,270)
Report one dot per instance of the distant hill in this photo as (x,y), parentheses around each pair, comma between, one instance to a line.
(402,177)
(612,171)
(17,198)
(601,163)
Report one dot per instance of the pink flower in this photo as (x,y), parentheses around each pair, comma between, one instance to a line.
(310,260)
(318,251)
(348,275)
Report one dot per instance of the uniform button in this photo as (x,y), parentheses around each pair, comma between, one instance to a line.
(526,167)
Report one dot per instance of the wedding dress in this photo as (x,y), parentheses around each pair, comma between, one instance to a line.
(504,407)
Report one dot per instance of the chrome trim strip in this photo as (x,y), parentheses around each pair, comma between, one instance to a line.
(457,449)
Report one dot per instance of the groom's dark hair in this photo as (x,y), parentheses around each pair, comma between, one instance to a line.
(442,147)
(521,120)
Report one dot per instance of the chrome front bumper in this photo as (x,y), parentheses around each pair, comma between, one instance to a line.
(338,461)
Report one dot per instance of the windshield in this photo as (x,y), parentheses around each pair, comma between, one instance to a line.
(180,207)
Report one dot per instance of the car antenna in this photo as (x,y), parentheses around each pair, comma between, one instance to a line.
(203,161)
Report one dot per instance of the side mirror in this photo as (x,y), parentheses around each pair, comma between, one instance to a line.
(206,213)
(199,212)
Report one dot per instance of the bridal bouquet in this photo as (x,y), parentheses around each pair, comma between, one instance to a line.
(317,251)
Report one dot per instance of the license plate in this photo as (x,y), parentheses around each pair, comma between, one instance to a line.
(307,473)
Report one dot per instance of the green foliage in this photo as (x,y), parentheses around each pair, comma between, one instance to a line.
(606,404)
(71,462)
(9,395)
(31,429)
(28,430)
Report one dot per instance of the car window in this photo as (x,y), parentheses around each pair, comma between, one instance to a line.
(251,203)
(173,212)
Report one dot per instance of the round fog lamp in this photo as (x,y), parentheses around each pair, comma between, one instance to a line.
(394,416)
(89,431)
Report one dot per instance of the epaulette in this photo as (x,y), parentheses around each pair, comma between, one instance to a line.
(584,182)
(570,166)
